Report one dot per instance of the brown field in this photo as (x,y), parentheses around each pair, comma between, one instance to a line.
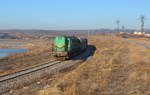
(117,68)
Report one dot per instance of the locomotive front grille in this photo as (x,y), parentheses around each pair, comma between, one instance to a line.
(61,54)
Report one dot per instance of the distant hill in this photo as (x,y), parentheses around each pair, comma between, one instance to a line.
(63,32)
(92,31)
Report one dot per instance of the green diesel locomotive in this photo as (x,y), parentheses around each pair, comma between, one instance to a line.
(68,46)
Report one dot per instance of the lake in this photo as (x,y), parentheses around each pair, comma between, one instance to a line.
(7,51)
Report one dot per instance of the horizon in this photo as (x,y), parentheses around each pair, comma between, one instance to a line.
(73,15)
(71,29)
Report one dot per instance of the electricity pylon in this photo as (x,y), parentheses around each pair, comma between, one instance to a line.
(142,19)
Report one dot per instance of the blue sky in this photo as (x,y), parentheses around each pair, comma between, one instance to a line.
(72,14)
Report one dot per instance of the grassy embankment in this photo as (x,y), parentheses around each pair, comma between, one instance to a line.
(117,68)
(38,52)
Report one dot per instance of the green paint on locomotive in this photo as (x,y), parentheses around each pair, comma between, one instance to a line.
(67,46)
(60,43)
(73,44)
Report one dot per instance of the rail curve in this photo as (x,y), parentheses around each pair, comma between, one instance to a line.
(27,76)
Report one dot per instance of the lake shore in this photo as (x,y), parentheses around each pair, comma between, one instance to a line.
(13,43)
(38,51)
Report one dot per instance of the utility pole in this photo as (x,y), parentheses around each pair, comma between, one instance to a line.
(118,22)
(142,18)
(88,33)
(123,29)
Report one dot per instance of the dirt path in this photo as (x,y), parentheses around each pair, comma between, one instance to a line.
(139,43)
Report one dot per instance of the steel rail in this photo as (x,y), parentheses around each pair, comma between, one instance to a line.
(26,71)
(27,76)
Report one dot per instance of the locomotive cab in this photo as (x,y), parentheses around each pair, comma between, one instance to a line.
(60,46)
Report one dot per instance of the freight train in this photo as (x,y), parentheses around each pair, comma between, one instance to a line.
(66,47)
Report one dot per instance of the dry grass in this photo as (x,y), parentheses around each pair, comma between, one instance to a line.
(117,68)
(111,71)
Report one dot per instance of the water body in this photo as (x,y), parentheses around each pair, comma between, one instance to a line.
(7,51)
(10,44)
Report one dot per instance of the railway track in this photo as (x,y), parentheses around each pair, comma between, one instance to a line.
(26,71)
(24,77)
(28,76)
